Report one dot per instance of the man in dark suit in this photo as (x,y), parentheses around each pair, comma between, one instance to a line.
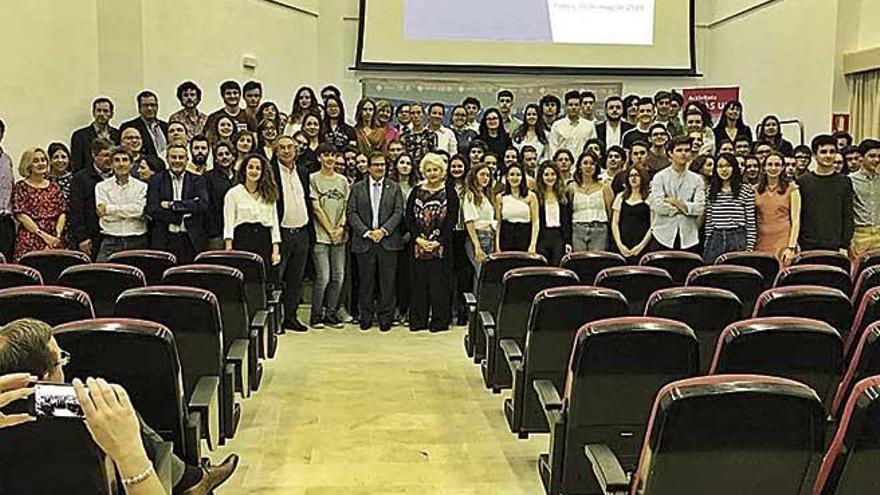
(177,202)
(81,140)
(153,131)
(295,219)
(81,215)
(610,131)
(374,212)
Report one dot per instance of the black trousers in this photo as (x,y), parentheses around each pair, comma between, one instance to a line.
(377,263)
(551,245)
(431,282)
(7,237)
(404,266)
(255,238)
(294,253)
(181,246)
(463,280)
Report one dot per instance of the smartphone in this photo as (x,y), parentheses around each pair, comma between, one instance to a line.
(55,400)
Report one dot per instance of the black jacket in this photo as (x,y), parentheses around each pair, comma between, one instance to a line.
(139,124)
(194,203)
(564,220)
(81,216)
(602,127)
(218,185)
(81,146)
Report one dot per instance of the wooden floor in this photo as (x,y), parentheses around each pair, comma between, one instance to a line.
(351,412)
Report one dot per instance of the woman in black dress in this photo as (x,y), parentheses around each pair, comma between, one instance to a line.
(631,216)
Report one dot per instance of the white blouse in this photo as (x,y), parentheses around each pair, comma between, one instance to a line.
(483,216)
(515,210)
(588,207)
(241,207)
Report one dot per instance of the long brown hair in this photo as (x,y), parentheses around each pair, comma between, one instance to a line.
(559,189)
(266,187)
(473,189)
(783,181)
(643,184)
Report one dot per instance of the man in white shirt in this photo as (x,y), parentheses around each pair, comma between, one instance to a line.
(119,203)
(472,107)
(294,191)
(677,199)
(588,106)
(572,132)
(446,140)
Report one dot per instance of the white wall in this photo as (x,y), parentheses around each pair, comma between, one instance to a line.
(59,54)
(869,24)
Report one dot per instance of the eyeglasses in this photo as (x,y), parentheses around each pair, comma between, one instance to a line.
(65,359)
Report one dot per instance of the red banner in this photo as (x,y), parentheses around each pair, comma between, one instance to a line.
(714,98)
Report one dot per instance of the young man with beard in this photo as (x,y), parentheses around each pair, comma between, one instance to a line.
(189,95)
(81,140)
(230,91)
(253,95)
(218,181)
(199,149)
(612,129)
(658,158)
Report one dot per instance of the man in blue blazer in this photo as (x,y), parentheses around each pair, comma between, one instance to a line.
(375,212)
(177,202)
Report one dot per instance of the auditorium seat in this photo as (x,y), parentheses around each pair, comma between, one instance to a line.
(808,301)
(723,435)
(747,283)
(152,263)
(52,262)
(103,282)
(867,280)
(240,334)
(263,302)
(2,258)
(866,260)
(707,311)
(636,283)
(766,264)
(555,318)
(485,297)
(18,276)
(518,289)
(823,257)
(800,349)
(51,304)
(588,264)
(51,456)
(824,275)
(677,263)
(868,312)
(865,362)
(193,317)
(850,465)
(142,357)
(616,368)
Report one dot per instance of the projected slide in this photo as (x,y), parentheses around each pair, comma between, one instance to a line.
(594,22)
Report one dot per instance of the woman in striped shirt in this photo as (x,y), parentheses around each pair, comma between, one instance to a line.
(730,210)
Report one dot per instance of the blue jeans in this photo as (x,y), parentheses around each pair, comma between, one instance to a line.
(329,273)
(592,236)
(487,244)
(721,241)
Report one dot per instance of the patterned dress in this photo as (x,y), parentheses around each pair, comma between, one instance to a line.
(43,206)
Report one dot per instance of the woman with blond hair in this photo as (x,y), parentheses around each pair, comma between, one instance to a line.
(38,204)
(431,214)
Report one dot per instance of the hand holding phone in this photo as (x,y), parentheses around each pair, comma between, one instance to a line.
(55,400)
(12,388)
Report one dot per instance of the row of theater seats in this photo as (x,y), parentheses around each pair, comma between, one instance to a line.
(585,363)
(185,341)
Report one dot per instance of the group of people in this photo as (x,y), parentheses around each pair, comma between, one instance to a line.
(392,217)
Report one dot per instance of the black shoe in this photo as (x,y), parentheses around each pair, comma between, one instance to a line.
(435,330)
(384,327)
(332,320)
(316,321)
(365,325)
(294,325)
(462,319)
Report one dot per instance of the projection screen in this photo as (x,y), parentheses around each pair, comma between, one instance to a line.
(626,37)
